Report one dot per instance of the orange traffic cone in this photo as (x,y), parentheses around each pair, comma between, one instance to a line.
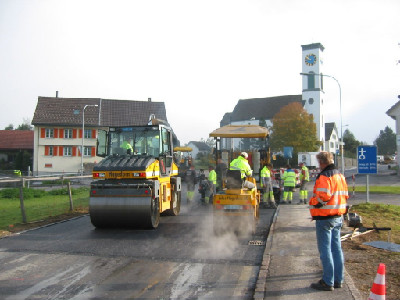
(378,290)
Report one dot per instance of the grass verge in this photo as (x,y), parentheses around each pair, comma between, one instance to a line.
(39,205)
(379,189)
(380,215)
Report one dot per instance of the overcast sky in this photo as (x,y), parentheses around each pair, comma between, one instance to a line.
(200,57)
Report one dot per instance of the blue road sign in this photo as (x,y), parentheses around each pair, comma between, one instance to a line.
(367,160)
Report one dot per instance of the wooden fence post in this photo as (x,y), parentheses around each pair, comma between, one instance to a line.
(21,200)
(71,204)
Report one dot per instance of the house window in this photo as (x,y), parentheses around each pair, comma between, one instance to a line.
(87,151)
(51,151)
(332,145)
(68,133)
(67,151)
(49,133)
(88,133)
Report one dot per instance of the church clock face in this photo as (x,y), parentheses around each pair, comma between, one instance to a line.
(310,59)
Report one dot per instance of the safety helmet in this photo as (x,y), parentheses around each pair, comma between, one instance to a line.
(244,154)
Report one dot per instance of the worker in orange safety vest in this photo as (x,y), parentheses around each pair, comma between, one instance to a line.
(327,206)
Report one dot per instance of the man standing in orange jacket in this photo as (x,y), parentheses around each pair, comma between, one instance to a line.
(327,206)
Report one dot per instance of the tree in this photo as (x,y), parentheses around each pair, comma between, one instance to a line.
(9,127)
(386,141)
(293,126)
(350,144)
(26,125)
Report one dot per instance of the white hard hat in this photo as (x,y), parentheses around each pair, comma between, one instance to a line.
(244,154)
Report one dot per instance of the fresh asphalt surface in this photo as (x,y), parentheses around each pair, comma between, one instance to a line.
(181,259)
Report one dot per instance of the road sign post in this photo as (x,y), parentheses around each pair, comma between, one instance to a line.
(367,162)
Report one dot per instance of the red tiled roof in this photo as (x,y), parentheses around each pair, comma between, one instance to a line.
(109,113)
(16,139)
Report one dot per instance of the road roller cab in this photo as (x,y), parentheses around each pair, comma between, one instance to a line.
(137,180)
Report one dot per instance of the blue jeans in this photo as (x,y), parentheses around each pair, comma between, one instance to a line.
(330,250)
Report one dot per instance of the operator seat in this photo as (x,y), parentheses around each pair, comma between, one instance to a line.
(234,179)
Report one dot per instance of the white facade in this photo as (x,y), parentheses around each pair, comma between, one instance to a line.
(312,63)
(394,112)
(332,142)
(58,149)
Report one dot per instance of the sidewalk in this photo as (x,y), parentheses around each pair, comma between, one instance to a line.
(291,260)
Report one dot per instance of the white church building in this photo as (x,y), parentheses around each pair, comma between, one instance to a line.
(252,111)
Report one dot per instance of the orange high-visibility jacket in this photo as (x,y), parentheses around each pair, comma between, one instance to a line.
(330,194)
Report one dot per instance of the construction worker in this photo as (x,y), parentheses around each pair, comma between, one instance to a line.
(289,183)
(304,179)
(327,206)
(191,180)
(212,178)
(266,184)
(240,163)
(127,146)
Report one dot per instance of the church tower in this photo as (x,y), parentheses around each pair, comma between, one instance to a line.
(313,92)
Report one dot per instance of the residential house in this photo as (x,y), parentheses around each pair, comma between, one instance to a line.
(16,149)
(64,125)
(199,147)
(331,138)
(394,113)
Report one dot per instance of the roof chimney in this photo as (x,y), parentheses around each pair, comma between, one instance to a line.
(56,94)
(149,99)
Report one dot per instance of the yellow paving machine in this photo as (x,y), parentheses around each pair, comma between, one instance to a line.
(236,204)
(137,180)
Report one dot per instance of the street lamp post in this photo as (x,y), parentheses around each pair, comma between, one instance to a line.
(340,110)
(83,132)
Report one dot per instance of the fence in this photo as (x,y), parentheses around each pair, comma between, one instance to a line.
(47,183)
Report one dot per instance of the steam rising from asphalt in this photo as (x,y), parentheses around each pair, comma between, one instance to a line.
(224,244)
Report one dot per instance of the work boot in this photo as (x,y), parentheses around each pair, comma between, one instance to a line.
(272,205)
(321,286)
(305,201)
(337,285)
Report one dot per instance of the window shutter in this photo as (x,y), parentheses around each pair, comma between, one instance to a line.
(74,133)
(80,133)
(61,133)
(74,151)
(94,131)
(42,133)
(46,150)
(55,132)
(93,151)
(60,151)
(55,151)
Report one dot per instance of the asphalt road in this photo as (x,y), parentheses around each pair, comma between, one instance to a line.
(181,259)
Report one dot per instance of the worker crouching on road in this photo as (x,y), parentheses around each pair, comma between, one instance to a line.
(289,183)
(241,163)
(266,184)
(304,179)
(327,206)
